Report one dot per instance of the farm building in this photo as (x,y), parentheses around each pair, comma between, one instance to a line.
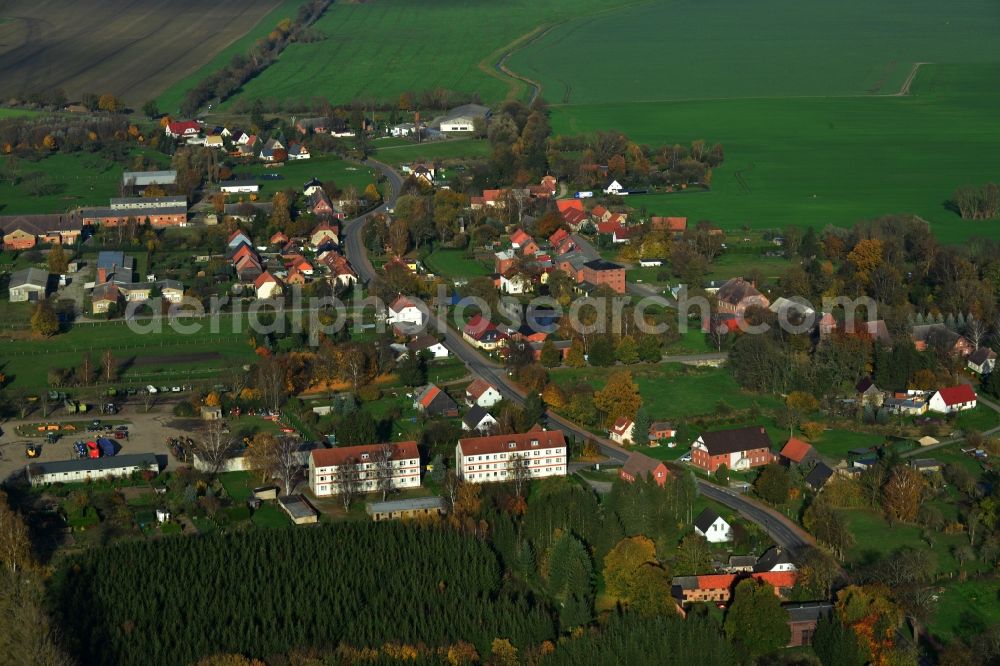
(418,507)
(144,178)
(240,187)
(28,285)
(298,509)
(69,471)
(23,232)
(953,399)
(738,448)
(462,118)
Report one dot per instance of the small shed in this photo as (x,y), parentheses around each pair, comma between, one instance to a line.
(298,509)
(266,493)
(211,413)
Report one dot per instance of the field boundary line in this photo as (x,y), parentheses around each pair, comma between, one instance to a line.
(904,90)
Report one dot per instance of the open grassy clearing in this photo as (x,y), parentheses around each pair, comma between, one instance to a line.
(674,391)
(170,99)
(834,444)
(813,161)
(378,50)
(967,608)
(82,180)
(131,49)
(295,173)
(410,151)
(667,50)
(454,264)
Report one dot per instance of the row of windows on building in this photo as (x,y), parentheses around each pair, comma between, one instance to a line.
(504,456)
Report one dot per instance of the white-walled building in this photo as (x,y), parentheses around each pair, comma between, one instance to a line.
(713,527)
(481,393)
(69,471)
(325,464)
(623,430)
(488,459)
(953,399)
(404,311)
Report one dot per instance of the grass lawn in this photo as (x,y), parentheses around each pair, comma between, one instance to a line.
(82,179)
(980,419)
(673,391)
(238,485)
(738,264)
(379,50)
(834,444)
(170,99)
(295,173)
(967,608)
(454,264)
(692,341)
(825,160)
(432,150)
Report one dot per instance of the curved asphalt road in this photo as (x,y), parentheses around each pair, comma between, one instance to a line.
(782,530)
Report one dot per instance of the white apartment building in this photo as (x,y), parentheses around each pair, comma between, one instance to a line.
(325,464)
(488,459)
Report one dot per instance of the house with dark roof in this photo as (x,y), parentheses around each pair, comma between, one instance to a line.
(775,558)
(23,232)
(868,392)
(599,271)
(818,476)
(478,419)
(982,361)
(639,466)
(736,295)
(68,471)
(432,401)
(796,452)
(926,336)
(737,448)
(462,118)
(427,343)
(28,285)
(803,617)
(712,526)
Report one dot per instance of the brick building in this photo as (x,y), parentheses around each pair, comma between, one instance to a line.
(738,448)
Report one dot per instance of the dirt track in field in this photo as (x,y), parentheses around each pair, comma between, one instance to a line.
(132,48)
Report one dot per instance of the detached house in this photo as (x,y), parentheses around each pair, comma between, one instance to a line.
(796,452)
(267,286)
(482,393)
(713,527)
(939,335)
(428,344)
(739,449)
(404,311)
(639,466)
(736,295)
(478,419)
(982,361)
(432,401)
(482,334)
(182,129)
(953,399)
(622,431)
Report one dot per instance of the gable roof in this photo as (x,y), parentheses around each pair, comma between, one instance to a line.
(520,237)
(474,446)
(819,475)
(401,303)
(736,291)
(864,384)
(669,223)
(639,465)
(35,277)
(796,450)
(352,454)
(475,416)
(706,519)
(771,558)
(433,399)
(956,395)
(478,387)
(263,279)
(734,440)
(622,424)
(563,205)
(982,355)
(558,236)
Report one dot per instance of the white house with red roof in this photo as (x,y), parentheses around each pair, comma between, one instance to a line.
(267,286)
(480,392)
(953,399)
(404,311)
(182,129)
(489,459)
(622,431)
(366,464)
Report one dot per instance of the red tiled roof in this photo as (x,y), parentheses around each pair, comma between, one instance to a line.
(608,227)
(279,237)
(263,279)
(520,237)
(340,455)
(181,126)
(569,204)
(478,387)
(598,211)
(622,425)
(558,236)
(796,450)
(956,395)
(777,579)
(427,398)
(474,446)
(400,304)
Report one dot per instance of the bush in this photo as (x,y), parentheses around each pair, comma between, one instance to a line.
(184,409)
(369,393)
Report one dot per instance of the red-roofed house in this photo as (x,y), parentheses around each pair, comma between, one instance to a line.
(600,213)
(550,184)
(366,462)
(182,129)
(953,399)
(622,431)
(719,587)
(624,235)
(609,227)
(491,198)
(797,452)
(432,401)
(323,234)
(279,238)
(404,311)
(488,459)
(574,218)
(481,392)
(559,236)
(674,225)
(564,205)
(267,286)
(638,466)
(481,333)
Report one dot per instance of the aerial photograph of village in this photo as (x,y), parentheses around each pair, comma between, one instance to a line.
(531,332)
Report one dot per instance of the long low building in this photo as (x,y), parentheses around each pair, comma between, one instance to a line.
(69,471)
(406,509)
(162,215)
(362,462)
(489,459)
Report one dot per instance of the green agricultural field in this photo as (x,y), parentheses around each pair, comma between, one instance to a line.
(730,49)
(378,50)
(80,179)
(673,391)
(454,264)
(432,150)
(819,161)
(170,100)
(295,173)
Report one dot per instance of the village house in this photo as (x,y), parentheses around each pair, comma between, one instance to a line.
(23,232)
(803,617)
(660,430)
(875,329)
(953,399)
(738,448)
(622,430)
(298,151)
(982,361)
(273,150)
(503,261)
(909,403)
(718,588)
(795,452)
(427,344)
(432,401)
(28,285)
(480,392)
(713,527)
(736,295)
(939,335)
(488,459)
(868,392)
(513,282)
(673,225)
(341,273)
(639,466)
(267,286)
(818,476)
(404,311)
(600,272)
(363,463)
(482,334)
(775,559)
(182,129)
(478,419)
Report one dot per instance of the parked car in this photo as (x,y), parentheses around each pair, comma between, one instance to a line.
(122,427)
(120,434)
(686,457)
(175,389)
(151,389)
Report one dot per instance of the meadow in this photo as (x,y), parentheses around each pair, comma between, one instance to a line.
(132,49)
(378,50)
(294,174)
(401,153)
(820,161)
(454,264)
(78,179)
(733,49)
